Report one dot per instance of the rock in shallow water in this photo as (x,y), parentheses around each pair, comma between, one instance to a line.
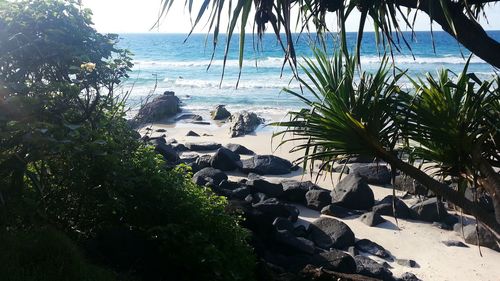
(220,113)
(166,105)
(244,123)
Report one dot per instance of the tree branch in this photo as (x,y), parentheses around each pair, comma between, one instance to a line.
(469,33)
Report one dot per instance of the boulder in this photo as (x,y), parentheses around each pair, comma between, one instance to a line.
(220,113)
(225,160)
(370,247)
(368,267)
(179,147)
(202,146)
(164,106)
(356,159)
(407,263)
(266,165)
(239,149)
(373,172)
(295,191)
(207,175)
(167,151)
(372,219)
(268,188)
(339,212)
(430,210)
(192,134)
(335,260)
(283,224)
(293,244)
(455,243)
(189,158)
(486,238)
(341,169)
(408,276)
(273,209)
(329,233)
(317,199)
(353,192)
(400,210)
(409,185)
(244,123)
(240,193)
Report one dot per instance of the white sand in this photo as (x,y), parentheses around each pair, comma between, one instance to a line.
(418,241)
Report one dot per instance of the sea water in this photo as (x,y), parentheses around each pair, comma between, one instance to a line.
(173,62)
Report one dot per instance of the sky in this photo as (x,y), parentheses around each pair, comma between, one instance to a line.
(137,16)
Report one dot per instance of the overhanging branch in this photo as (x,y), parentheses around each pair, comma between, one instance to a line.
(469,33)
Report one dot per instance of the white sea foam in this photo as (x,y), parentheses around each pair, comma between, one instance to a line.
(277,62)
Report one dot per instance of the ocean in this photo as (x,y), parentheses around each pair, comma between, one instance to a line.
(165,62)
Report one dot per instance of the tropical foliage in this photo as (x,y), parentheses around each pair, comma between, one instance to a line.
(72,169)
(452,123)
(372,115)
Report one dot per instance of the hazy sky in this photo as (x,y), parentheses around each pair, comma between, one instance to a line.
(139,16)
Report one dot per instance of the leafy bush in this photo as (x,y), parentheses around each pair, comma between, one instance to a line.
(45,254)
(69,159)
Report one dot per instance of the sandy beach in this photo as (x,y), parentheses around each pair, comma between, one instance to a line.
(416,240)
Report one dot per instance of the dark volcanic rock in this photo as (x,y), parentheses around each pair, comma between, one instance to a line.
(225,160)
(410,185)
(455,243)
(374,173)
(407,263)
(430,210)
(385,208)
(372,219)
(167,152)
(339,212)
(368,267)
(240,193)
(341,169)
(408,276)
(266,165)
(331,233)
(209,174)
(335,260)
(283,224)
(202,146)
(166,105)
(356,159)
(317,199)
(274,209)
(220,113)
(295,191)
(179,147)
(292,243)
(189,117)
(486,238)
(353,192)
(244,123)
(192,134)
(239,149)
(373,248)
(268,188)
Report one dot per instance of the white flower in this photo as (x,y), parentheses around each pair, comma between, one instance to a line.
(89,66)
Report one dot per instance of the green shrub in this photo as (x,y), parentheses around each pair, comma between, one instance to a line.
(45,254)
(69,160)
